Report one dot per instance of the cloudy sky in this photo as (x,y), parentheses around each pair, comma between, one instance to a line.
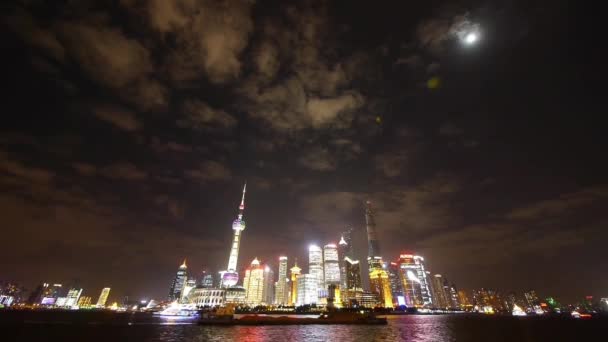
(129,128)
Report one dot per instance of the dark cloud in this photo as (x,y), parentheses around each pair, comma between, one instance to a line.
(210,170)
(16,169)
(198,115)
(123,171)
(318,159)
(118,117)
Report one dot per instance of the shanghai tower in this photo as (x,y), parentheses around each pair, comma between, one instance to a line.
(370,224)
(378,277)
(230,277)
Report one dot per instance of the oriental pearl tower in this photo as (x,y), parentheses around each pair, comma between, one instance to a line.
(230,277)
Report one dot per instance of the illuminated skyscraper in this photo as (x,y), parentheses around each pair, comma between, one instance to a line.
(84,302)
(380,285)
(307,289)
(282,290)
(331,265)
(103,297)
(464,299)
(45,294)
(179,282)
(352,281)
(440,297)
(394,277)
(230,277)
(373,254)
(378,275)
(72,297)
(206,280)
(295,272)
(258,284)
(415,282)
(315,265)
(454,299)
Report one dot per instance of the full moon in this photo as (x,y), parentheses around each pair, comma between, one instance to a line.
(470,38)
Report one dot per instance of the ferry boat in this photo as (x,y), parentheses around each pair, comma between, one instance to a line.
(177,310)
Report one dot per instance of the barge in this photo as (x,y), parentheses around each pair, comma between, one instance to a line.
(335,317)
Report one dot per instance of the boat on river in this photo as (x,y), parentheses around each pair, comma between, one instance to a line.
(331,317)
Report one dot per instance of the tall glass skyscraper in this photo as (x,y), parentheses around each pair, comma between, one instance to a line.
(177,287)
(331,265)
(230,276)
(440,297)
(315,265)
(307,289)
(103,297)
(352,280)
(394,277)
(373,252)
(378,275)
(415,282)
(281,290)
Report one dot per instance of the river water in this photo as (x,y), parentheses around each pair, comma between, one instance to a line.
(78,326)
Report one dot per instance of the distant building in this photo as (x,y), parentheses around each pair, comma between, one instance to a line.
(295,272)
(488,300)
(366,299)
(236,295)
(206,297)
(72,297)
(282,290)
(532,298)
(258,284)
(179,282)
(307,292)
(465,303)
(190,285)
(315,265)
(207,280)
(103,297)
(331,265)
(46,294)
(84,302)
(454,299)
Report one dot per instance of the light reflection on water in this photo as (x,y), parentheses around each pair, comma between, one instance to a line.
(136,328)
(410,328)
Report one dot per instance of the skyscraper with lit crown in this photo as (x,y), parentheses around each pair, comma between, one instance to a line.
(230,276)
(331,265)
(378,276)
(258,284)
(315,265)
(295,272)
(179,282)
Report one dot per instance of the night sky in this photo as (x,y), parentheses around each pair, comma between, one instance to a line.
(129,128)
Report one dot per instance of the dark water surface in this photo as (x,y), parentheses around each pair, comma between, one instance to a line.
(100,326)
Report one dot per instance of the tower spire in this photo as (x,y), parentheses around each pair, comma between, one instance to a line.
(242,206)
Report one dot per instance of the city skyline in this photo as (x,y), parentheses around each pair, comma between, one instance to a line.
(130,129)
